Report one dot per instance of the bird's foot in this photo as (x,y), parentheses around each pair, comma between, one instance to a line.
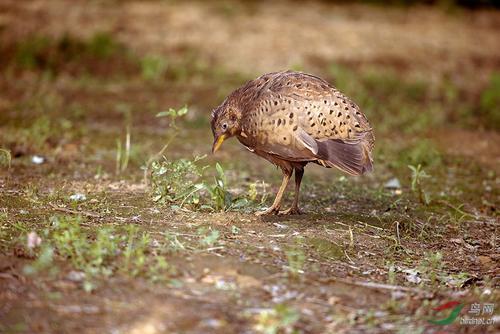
(269,211)
(294,210)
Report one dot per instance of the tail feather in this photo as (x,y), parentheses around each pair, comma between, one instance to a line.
(352,157)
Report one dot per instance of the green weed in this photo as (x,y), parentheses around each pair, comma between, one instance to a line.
(5,158)
(102,45)
(280,319)
(173,244)
(175,182)
(417,175)
(30,51)
(221,199)
(52,54)
(44,262)
(153,67)
(431,266)
(173,114)
(178,183)
(208,236)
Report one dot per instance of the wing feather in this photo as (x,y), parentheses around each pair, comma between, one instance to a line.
(301,117)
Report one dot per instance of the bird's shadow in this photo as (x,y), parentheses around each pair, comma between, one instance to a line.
(323,219)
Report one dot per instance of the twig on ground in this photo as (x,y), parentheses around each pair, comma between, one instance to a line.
(380,286)
(75,212)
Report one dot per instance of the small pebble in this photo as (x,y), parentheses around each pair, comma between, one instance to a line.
(78,197)
(37,159)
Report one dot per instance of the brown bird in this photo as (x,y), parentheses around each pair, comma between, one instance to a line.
(291,119)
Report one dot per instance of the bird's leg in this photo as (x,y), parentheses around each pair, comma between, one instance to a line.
(294,209)
(275,208)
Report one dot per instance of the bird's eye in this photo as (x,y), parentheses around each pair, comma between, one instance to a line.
(224,126)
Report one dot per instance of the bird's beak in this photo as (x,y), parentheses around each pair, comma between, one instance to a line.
(218,142)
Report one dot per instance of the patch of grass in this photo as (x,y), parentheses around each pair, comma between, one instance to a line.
(380,92)
(107,252)
(29,51)
(422,152)
(98,54)
(220,198)
(280,319)
(178,182)
(37,125)
(395,102)
(173,130)
(5,158)
(431,267)
(175,181)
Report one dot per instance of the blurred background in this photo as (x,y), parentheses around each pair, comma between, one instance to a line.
(84,80)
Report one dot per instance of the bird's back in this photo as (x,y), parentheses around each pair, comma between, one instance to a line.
(300,117)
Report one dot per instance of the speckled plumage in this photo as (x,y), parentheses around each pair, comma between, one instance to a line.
(292,118)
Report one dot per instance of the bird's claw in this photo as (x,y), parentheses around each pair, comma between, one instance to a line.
(268,211)
(276,211)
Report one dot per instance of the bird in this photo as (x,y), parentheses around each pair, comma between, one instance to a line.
(291,119)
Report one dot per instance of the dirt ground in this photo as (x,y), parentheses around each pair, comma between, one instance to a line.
(86,245)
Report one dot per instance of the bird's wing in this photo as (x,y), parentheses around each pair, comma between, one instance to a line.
(298,115)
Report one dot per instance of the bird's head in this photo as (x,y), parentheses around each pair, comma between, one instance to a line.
(225,124)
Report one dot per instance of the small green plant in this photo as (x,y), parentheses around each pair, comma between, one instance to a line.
(173,244)
(175,182)
(173,114)
(5,158)
(208,236)
(280,319)
(44,262)
(220,197)
(431,266)
(153,67)
(417,174)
